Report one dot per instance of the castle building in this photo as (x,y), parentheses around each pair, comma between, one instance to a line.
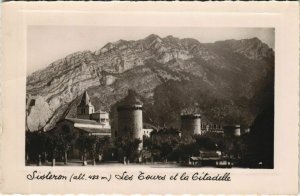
(83,127)
(232,130)
(209,127)
(87,122)
(130,118)
(86,110)
(190,124)
(147,132)
(80,127)
(85,107)
(148,129)
(102,118)
(130,122)
(237,130)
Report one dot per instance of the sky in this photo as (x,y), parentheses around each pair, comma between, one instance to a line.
(46,44)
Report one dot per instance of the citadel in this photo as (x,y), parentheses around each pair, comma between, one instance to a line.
(129,123)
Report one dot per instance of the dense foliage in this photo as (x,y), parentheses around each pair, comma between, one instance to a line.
(254,149)
(51,146)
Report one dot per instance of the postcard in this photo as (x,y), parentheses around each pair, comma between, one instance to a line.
(150,97)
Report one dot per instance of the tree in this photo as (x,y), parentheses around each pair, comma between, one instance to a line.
(261,139)
(82,144)
(92,145)
(54,146)
(147,143)
(186,148)
(165,141)
(205,142)
(35,145)
(104,145)
(68,138)
(128,148)
(147,148)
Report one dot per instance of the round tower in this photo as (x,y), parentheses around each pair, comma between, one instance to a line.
(237,130)
(130,121)
(190,124)
(130,117)
(232,130)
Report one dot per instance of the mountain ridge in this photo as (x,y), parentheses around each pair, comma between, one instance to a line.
(152,61)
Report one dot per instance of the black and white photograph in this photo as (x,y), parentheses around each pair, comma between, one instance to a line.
(159,97)
(166,98)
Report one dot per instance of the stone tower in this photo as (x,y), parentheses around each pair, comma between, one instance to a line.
(237,130)
(190,124)
(232,130)
(85,107)
(130,118)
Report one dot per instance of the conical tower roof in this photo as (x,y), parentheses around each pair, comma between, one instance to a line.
(85,99)
(132,98)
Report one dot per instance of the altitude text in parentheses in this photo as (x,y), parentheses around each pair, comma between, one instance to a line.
(106,178)
(71,177)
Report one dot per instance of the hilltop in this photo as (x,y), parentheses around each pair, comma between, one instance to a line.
(229,81)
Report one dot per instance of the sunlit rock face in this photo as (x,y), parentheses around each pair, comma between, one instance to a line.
(146,65)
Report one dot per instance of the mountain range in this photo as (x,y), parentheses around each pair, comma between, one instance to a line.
(228,82)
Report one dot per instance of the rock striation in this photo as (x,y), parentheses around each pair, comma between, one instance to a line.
(237,71)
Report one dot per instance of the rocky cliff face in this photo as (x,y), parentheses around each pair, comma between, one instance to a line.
(238,75)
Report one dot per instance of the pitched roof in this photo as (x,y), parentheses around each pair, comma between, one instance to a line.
(101,112)
(94,130)
(85,99)
(132,98)
(83,121)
